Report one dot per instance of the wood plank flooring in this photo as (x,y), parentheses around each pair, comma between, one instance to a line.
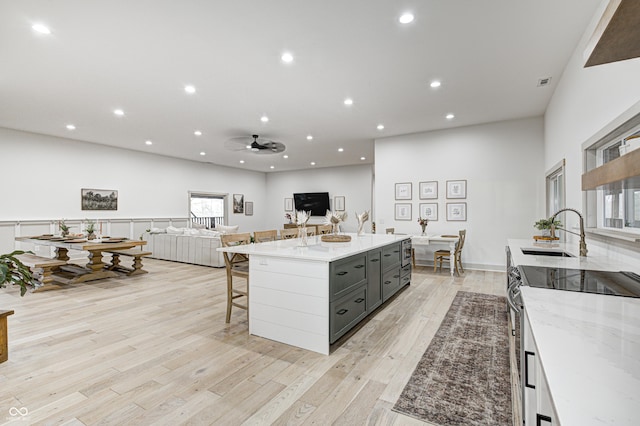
(154,349)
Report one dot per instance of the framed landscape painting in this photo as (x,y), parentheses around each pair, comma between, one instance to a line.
(238,203)
(99,199)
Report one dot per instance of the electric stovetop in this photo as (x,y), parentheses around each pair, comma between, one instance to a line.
(600,282)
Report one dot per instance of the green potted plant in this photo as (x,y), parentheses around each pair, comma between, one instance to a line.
(90,228)
(12,271)
(544,225)
(64,228)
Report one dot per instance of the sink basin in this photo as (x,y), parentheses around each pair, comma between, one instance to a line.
(554,253)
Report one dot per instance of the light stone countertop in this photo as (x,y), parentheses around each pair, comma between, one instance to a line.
(596,259)
(589,344)
(589,348)
(317,250)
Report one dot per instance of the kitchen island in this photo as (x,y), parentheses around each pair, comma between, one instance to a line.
(580,362)
(309,296)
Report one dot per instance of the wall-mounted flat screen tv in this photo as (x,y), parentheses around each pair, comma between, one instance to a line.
(316,202)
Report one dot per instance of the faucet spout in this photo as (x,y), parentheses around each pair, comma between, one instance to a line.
(583,243)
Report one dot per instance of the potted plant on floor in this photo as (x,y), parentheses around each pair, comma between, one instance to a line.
(12,271)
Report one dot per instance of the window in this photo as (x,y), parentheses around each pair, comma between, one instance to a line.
(555,188)
(207,209)
(618,204)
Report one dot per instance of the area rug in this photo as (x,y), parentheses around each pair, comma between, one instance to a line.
(463,377)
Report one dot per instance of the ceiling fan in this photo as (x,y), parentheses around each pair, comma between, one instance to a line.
(255,144)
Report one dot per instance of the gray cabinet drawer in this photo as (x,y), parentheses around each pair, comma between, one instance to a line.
(346,274)
(374,279)
(390,283)
(347,312)
(406,270)
(390,256)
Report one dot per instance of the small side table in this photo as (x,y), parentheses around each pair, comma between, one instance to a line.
(4,337)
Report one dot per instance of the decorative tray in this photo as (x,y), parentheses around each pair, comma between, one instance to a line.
(113,240)
(79,240)
(544,238)
(331,238)
(449,236)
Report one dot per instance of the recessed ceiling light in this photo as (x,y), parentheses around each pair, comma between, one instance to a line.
(287,58)
(435,83)
(203,153)
(348,101)
(40,28)
(149,143)
(197,133)
(362,158)
(313,163)
(71,127)
(272,167)
(450,116)
(118,112)
(380,127)
(309,137)
(264,119)
(406,18)
(285,156)
(190,89)
(241,161)
(340,149)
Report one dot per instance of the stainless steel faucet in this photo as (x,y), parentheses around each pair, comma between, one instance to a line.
(583,243)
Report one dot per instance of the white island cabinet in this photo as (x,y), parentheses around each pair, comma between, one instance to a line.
(309,296)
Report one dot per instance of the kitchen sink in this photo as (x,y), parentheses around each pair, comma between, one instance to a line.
(554,253)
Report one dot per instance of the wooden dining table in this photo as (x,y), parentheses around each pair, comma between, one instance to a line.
(449,240)
(95,268)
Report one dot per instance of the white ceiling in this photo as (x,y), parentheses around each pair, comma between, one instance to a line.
(139,55)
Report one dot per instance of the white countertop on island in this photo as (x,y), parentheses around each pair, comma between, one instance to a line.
(589,348)
(316,249)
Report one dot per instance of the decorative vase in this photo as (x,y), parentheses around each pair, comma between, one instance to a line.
(335,228)
(91,236)
(64,233)
(424,227)
(302,236)
(546,232)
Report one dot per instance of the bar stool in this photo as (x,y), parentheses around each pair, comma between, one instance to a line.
(237,266)
(264,236)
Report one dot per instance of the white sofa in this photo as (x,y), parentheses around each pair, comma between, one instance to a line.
(186,245)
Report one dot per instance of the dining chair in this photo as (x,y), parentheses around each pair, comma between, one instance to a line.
(390,230)
(324,229)
(237,266)
(445,255)
(287,234)
(311,232)
(264,236)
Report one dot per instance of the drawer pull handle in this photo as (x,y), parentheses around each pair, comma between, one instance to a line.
(387,282)
(342,311)
(341,273)
(527,354)
(359,300)
(359,266)
(396,251)
(542,418)
(387,255)
(375,260)
(396,276)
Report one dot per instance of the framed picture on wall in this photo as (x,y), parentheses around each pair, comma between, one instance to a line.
(338,203)
(288,204)
(457,212)
(429,190)
(99,199)
(403,191)
(238,203)
(456,189)
(429,211)
(403,211)
(248,208)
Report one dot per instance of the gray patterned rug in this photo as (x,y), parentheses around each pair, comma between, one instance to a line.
(463,377)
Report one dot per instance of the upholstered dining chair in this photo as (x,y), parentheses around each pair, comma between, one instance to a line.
(263,236)
(311,232)
(287,234)
(445,255)
(237,266)
(324,229)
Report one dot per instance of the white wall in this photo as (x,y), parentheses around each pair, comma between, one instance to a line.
(352,182)
(48,173)
(503,165)
(585,101)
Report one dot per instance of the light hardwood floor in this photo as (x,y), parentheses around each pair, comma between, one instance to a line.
(154,349)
